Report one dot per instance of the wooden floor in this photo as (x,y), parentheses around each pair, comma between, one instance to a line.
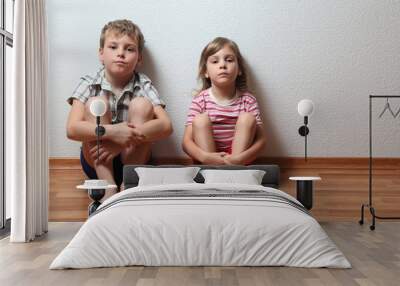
(337,197)
(374,255)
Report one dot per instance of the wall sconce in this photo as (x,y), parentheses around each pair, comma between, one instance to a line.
(305,108)
(98,108)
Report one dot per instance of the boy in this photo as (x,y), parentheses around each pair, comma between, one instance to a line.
(135,114)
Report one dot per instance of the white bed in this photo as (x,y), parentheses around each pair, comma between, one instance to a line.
(222,225)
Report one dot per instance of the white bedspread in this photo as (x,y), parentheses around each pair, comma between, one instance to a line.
(200,231)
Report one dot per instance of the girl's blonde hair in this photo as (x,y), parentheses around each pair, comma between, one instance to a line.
(123,27)
(213,47)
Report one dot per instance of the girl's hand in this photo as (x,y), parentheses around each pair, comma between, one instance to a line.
(215,158)
(126,135)
(233,160)
(107,151)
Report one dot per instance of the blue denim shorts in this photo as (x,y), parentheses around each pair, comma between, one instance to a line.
(91,172)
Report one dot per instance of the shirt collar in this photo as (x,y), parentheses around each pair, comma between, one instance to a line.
(100,80)
(223,102)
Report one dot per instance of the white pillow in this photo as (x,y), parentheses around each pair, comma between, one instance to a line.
(249,177)
(162,176)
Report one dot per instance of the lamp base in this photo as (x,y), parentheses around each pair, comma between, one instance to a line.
(303,130)
(96,195)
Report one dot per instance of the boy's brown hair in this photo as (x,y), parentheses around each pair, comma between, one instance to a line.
(123,27)
(213,47)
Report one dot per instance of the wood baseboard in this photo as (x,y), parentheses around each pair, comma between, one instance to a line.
(283,162)
(337,197)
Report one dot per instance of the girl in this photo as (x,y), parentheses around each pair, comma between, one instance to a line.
(224,124)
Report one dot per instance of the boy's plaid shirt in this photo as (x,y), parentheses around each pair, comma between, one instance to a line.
(139,85)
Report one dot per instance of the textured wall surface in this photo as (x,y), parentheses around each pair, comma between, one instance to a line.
(335,53)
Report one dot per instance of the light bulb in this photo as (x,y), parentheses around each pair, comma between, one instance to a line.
(98,107)
(305,107)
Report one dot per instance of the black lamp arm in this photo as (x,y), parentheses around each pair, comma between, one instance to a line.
(100,130)
(303,130)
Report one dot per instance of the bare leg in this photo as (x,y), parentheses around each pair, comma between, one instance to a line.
(140,111)
(202,133)
(104,170)
(245,131)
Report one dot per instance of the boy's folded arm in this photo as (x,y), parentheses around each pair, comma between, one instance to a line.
(77,128)
(120,134)
(80,130)
(157,128)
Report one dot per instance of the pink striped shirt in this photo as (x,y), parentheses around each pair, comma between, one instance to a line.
(223,117)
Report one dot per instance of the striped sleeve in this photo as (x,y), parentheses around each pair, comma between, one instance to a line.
(148,90)
(252,107)
(196,107)
(82,91)
(151,93)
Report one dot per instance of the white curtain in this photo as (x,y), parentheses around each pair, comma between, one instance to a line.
(26,124)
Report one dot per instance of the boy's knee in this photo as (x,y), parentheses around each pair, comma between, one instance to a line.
(246,119)
(141,107)
(201,121)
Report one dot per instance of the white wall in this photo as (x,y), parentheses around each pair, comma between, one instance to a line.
(333,52)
